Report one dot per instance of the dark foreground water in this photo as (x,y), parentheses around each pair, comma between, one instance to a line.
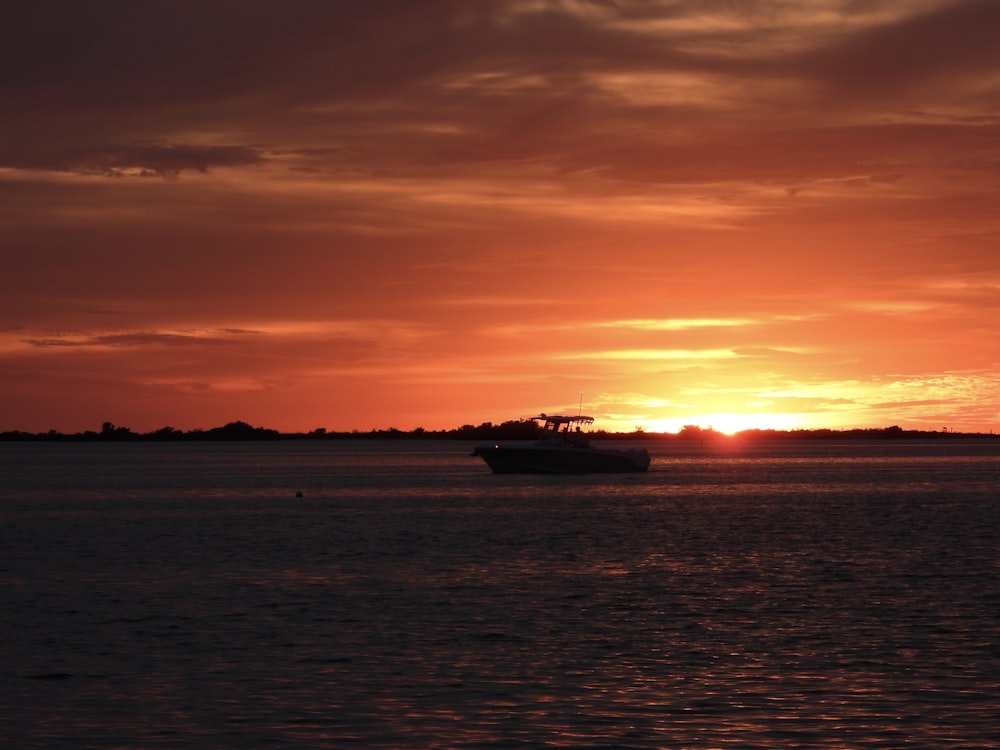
(818,596)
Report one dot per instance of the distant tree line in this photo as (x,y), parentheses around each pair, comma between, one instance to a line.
(521,429)
(112,433)
(513,430)
(895,432)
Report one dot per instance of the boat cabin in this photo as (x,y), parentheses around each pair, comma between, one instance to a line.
(564,428)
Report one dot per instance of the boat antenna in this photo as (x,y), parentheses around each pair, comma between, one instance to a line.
(579,411)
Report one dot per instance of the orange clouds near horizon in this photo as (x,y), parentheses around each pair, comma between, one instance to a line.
(309,215)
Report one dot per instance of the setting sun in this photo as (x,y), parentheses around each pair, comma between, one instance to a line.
(728,424)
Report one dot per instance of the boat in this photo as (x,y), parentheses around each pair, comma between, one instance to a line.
(562,449)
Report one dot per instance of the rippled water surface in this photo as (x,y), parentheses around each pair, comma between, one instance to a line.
(812,596)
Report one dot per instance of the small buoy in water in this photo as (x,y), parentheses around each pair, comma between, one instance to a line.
(298,494)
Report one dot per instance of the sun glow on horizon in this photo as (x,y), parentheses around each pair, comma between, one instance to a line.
(726,423)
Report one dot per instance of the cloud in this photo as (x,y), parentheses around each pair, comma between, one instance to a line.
(142,161)
(129,340)
(640,355)
(943,45)
(556,88)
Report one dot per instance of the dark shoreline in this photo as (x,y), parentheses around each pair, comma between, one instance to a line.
(514,430)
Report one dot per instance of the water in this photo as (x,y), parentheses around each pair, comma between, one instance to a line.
(810,596)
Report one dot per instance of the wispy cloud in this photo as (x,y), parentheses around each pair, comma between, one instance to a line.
(649,354)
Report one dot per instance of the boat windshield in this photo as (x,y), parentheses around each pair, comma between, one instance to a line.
(562,423)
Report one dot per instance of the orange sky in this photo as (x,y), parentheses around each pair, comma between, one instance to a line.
(425,214)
